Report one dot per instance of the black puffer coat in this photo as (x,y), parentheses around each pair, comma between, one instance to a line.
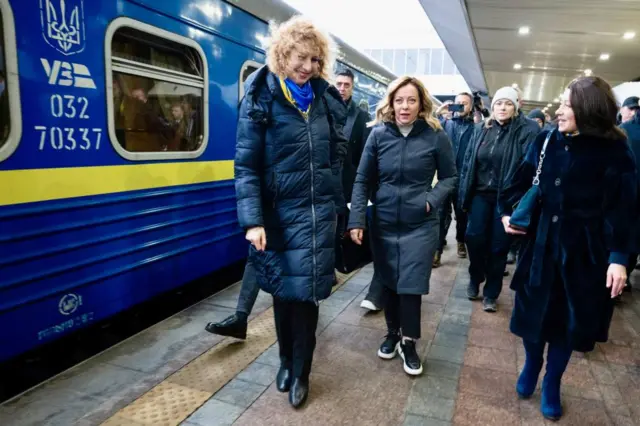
(520,134)
(287,179)
(404,236)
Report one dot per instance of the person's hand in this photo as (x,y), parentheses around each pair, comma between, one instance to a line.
(616,279)
(444,107)
(510,229)
(257,237)
(428,207)
(356,235)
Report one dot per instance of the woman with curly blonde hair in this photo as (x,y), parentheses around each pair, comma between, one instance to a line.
(401,157)
(287,180)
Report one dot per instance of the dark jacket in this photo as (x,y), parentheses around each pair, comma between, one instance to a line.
(632,130)
(520,134)
(404,236)
(589,189)
(356,132)
(459,131)
(287,179)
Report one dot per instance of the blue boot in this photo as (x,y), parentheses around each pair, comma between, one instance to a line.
(533,364)
(557,359)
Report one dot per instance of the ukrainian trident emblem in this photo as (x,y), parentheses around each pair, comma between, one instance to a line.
(63,25)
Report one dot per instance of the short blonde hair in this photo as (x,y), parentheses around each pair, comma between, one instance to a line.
(300,33)
(385,112)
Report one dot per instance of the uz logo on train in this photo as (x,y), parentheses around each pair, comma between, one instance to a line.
(63,28)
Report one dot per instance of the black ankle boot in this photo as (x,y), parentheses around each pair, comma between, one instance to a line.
(299,392)
(283,379)
(233,326)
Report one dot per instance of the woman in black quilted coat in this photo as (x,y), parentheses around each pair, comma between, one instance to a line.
(287,179)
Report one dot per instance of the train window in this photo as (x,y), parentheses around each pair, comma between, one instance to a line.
(157,92)
(10,114)
(247,69)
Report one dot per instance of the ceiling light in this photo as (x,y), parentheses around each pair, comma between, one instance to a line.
(514,85)
(517,66)
(524,30)
(604,56)
(556,100)
(588,72)
(629,35)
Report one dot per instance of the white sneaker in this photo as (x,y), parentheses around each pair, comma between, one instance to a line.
(366,304)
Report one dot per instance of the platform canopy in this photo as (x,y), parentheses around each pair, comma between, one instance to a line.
(539,45)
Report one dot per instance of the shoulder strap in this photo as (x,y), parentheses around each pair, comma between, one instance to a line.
(536,179)
(326,106)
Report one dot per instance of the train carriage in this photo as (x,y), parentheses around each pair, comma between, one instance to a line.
(117,138)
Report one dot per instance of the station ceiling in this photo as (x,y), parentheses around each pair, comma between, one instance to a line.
(565,39)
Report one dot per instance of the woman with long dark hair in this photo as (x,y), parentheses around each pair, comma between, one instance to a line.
(574,256)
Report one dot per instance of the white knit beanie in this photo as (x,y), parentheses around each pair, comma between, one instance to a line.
(508,93)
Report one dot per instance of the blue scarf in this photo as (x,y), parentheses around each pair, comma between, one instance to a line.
(302,96)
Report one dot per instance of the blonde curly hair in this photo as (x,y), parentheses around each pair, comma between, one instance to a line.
(385,112)
(302,34)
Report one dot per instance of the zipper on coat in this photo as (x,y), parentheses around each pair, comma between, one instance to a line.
(313,212)
(275,184)
(493,147)
(402,154)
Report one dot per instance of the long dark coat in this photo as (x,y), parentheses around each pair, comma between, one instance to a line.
(589,199)
(404,236)
(287,179)
(356,132)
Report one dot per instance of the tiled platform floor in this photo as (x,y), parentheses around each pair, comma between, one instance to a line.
(175,373)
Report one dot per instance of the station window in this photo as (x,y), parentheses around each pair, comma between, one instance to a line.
(10,115)
(248,68)
(158,95)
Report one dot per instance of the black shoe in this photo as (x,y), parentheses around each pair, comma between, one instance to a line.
(389,347)
(505,274)
(437,260)
(462,251)
(472,291)
(489,305)
(412,364)
(299,392)
(283,379)
(511,258)
(232,326)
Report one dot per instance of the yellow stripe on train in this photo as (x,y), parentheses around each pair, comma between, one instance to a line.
(27,186)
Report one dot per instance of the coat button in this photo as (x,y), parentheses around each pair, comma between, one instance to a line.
(558,182)
(554,219)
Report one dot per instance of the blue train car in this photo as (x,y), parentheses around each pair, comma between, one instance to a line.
(117,135)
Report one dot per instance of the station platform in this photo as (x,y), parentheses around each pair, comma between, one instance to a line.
(176,373)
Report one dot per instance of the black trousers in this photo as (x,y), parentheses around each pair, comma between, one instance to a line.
(296,324)
(445,221)
(402,312)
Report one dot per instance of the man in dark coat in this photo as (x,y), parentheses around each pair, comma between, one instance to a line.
(631,127)
(356,132)
(459,128)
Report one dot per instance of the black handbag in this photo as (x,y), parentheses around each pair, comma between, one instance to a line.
(348,255)
(526,209)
